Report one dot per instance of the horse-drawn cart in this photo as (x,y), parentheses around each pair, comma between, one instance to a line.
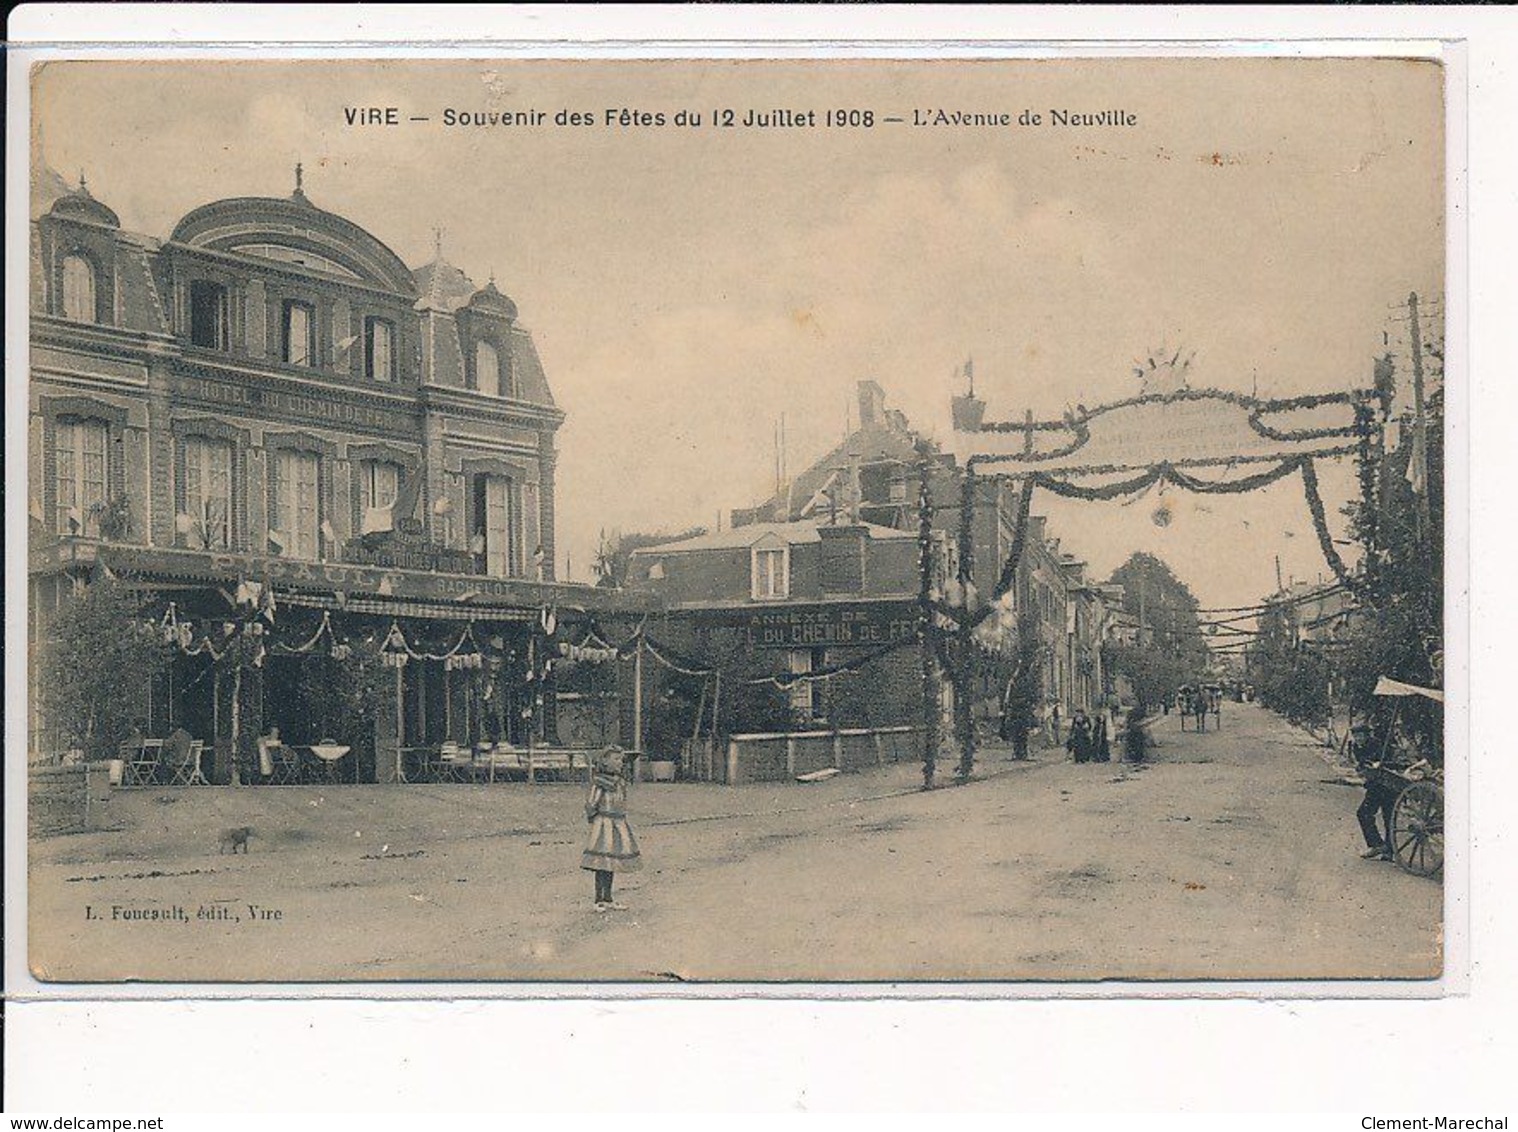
(1416,779)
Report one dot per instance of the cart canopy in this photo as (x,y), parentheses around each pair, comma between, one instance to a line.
(1386,686)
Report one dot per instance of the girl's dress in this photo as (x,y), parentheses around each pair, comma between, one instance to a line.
(611,846)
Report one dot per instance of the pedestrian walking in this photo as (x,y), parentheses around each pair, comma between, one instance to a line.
(1135,738)
(1101,737)
(1054,720)
(1079,743)
(1379,798)
(611,847)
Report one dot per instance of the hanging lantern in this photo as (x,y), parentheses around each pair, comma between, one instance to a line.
(1162,515)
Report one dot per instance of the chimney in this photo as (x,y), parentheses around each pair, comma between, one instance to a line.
(871,404)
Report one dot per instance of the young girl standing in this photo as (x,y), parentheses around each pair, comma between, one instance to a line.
(611,847)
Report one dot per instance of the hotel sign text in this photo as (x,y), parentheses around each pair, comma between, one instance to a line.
(314,408)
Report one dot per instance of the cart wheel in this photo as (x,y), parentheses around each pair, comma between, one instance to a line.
(1417,832)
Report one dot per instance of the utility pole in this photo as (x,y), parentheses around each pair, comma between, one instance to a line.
(925,619)
(1280,586)
(1419,474)
(964,685)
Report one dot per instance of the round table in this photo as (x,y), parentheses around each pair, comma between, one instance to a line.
(331,753)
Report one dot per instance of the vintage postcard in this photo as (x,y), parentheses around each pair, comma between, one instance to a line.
(735,521)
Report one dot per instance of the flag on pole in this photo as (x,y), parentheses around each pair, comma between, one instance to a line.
(1417,463)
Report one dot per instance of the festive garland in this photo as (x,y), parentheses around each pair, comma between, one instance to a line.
(1190,462)
(396,651)
(1008,577)
(1169,473)
(1320,526)
(675,662)
(1254,404)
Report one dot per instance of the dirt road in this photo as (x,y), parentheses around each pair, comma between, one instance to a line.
(1228,856)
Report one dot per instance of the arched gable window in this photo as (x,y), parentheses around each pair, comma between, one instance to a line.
(487,368)
(79,289)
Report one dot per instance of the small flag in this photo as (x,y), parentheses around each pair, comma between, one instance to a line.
(36,510)
(328,533)
(276,542)
(385,586)
(1417,464)
(406,499)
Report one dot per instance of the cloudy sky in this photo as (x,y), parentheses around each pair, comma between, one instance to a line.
(688,285)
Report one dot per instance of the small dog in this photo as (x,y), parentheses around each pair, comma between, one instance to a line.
(234,838)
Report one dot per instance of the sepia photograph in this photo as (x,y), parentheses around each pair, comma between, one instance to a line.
(715,521)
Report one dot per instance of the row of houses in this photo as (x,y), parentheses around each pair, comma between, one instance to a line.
(300,451)
(826,575)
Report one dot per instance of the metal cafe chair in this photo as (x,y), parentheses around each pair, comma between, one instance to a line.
(185,771)
(455,763)
(287,765)
(141,762)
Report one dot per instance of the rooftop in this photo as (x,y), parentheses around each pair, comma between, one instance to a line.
(795,534)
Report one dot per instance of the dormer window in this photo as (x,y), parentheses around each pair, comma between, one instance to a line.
(487,368)
(79,289)
(208,314)
(771,571)
(379,349)
(299,333)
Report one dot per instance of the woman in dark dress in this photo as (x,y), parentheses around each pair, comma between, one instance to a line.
(1079,742)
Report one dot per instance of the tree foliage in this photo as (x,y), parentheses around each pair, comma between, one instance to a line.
(1022,684)
(1399,632)
(1397,626)
(1171,651)
(97,661)
(615,552)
